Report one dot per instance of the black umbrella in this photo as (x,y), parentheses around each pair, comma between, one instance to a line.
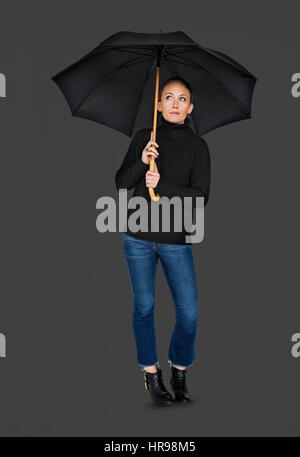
(117,83)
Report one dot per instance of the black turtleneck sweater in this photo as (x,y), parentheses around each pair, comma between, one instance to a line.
(184,167)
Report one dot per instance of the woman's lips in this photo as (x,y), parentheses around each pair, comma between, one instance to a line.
(174,113)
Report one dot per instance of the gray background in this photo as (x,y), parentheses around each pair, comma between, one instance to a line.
(65,294)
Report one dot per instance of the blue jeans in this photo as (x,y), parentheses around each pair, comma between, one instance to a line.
(178,266)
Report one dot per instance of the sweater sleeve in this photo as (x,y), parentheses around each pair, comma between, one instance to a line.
(199,180)
(133,168)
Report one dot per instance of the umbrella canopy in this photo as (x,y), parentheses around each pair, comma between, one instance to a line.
(114,84)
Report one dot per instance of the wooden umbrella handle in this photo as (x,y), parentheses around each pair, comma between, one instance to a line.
(152,160)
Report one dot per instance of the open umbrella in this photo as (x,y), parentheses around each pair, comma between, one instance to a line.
(114,84)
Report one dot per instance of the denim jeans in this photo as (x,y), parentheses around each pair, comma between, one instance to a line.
(178,266)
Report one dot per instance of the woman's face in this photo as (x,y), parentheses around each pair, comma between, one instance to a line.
(175,103)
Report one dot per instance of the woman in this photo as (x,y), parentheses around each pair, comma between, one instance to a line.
(182,169)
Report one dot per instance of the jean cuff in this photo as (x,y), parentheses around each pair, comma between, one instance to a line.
(149,365)
(179,365)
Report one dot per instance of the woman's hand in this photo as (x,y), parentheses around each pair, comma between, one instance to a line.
(146,155)
(152,178)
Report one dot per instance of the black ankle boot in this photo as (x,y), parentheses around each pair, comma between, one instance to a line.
(154,383)
(178,383)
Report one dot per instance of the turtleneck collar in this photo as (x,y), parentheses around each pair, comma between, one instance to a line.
(172,130)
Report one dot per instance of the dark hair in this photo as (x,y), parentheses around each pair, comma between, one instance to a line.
(179,80)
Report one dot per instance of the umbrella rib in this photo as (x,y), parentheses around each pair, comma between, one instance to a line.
(192,64)
(134,52)
(216,54)
(166,62)
(189,48)
(131,62)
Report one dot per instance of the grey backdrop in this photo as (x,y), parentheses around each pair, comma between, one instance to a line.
(65,294)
